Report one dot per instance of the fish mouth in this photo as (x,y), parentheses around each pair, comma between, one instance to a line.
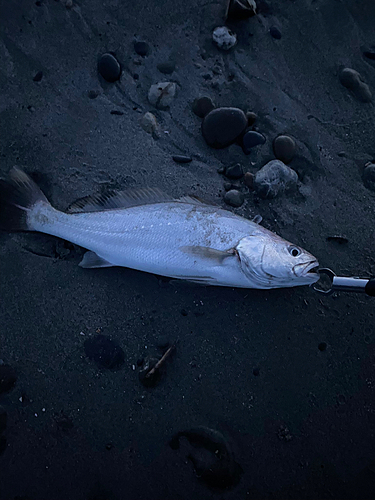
(308,270)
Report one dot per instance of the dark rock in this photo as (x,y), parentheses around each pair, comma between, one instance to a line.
(93,94)
(8,378)
(161,95)
(182,159)
(105,352)
(274,179)
(202,106)
(249,180)
(256,372)
(341,240)
(109,67)
(211,455)
(352,80)
(275,32)
(224,38)
(234,198)
(284,148)
(251,118)
(240,9)
(322,346)
(142,48)
(369,53)
(369,176)
(3,419)
(234,171)
(227,186)
(252,139)
(167,67)
(222,126)
(38,76)
(116,112)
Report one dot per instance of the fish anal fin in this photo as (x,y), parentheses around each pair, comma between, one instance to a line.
(92,261)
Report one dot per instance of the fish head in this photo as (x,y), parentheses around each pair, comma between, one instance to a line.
(272,262)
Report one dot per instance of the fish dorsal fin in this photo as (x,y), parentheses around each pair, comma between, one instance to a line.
(119,199)
(194,200)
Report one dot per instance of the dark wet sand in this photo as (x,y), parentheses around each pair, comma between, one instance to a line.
(303,426)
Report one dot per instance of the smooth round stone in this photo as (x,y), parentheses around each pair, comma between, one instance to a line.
(251,118)
(274,179)
(162,94)
(234,198)
(222,126)
(284,148)
(240,9)
(352,80)
(369,176)
(149,123)
(249,180)
(109,67)
(227,186)
(202,106)
(8,378)
(182,159)
(234,171)
(92,94)
(224,38)
(141,48)
(3,419)
(275,32)
(252,139)
(167,67)
(105,352)
(38,77)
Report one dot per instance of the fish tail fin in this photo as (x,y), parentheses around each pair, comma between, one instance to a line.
(18,196)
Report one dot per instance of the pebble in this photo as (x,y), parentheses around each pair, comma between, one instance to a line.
(8,378)
(352,80)
(38,76)
(68,4)
(275,32)
(234,171)
(161,95)
(274,179)
(227,186)
(182,159)
(105,352)
(251,118)
(109,67)
(284,148)
(167,67)
(240,9)
(234,198)
(149,123)
(252,139)
(3,419)
(322,346)
(249,180)
(202,106)
(222,126)
(93,94)
(224,38)
(369,176)
(369,53)
(141,48)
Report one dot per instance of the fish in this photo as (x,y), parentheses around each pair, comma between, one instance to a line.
(148,230)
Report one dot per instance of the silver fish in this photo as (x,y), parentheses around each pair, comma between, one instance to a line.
(149,231)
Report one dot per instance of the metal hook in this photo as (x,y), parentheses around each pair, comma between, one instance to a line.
(341,283)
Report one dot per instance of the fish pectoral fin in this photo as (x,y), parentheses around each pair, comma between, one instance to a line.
(193,280)
(209,253)
(92,261)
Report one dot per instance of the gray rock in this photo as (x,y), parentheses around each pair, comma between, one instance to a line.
(202,106)
(352,80)
(224,38)
(222,126)
(234,198)
(161,95)
(274,179)
(284,148)
(369,176)
(149,123)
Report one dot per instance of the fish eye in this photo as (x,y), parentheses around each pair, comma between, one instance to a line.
(294,251)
